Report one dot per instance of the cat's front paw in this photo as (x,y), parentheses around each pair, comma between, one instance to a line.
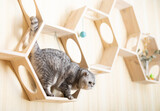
(50,94)
(70,97)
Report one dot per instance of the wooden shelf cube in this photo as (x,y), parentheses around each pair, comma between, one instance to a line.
(124,17)
(104,54)
(136,68)
(19,59)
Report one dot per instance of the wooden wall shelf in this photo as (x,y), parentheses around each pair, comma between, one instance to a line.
(130,55)
(110,50)
(130,22)
(20,58)
(135,66)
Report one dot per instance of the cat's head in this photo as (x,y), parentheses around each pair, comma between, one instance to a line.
(86,80)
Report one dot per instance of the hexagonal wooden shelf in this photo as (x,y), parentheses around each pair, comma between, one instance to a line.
(20,59)
(131,24)
(109,50)
(133,32)
(135,66)
(131,58)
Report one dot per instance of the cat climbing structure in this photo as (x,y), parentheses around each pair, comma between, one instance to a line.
(134,38)
(136,68)
(100,60)
(19,58)
(99,19)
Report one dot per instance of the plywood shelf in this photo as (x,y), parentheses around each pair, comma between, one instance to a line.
(105,58)
(60,31)
(126,53)
(136,68)
(129,51)
(122,4)
(130,23)
(38,94)
(110,50)
(9,55)
(100,67)
(19,59)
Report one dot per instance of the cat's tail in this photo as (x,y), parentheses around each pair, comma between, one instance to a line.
(33,28)
(35,48)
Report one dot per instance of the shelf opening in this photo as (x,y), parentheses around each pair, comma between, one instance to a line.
(27,79)
(73,51)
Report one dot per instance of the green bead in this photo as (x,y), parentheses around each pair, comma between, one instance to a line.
(83,34)
(151,76)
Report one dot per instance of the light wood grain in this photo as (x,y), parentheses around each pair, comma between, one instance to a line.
(40,94)
(130,20)
(75,17)
(58,30)
(98,24)
(125,53)
(110,50)
(135,68)
(122,4)
(64,39)
(107,6)
(10,55)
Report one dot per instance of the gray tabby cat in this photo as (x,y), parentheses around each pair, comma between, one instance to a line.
(55,69)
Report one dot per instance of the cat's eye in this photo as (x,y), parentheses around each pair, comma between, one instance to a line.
(90,82)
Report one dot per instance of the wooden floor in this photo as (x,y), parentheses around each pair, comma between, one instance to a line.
(113,91)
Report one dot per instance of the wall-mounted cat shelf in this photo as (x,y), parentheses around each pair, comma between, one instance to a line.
(133,37)
(132,28)
(136,68)
(129,20)
(101,23)
(20,59)
(131,58)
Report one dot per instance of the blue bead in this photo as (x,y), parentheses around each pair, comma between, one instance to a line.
(83,34)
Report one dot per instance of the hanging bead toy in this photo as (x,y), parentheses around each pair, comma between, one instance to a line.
(82,33)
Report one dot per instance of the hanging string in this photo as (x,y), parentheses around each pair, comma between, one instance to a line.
(83,24)
(83,33)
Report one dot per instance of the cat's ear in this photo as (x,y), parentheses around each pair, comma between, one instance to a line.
(85,73)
